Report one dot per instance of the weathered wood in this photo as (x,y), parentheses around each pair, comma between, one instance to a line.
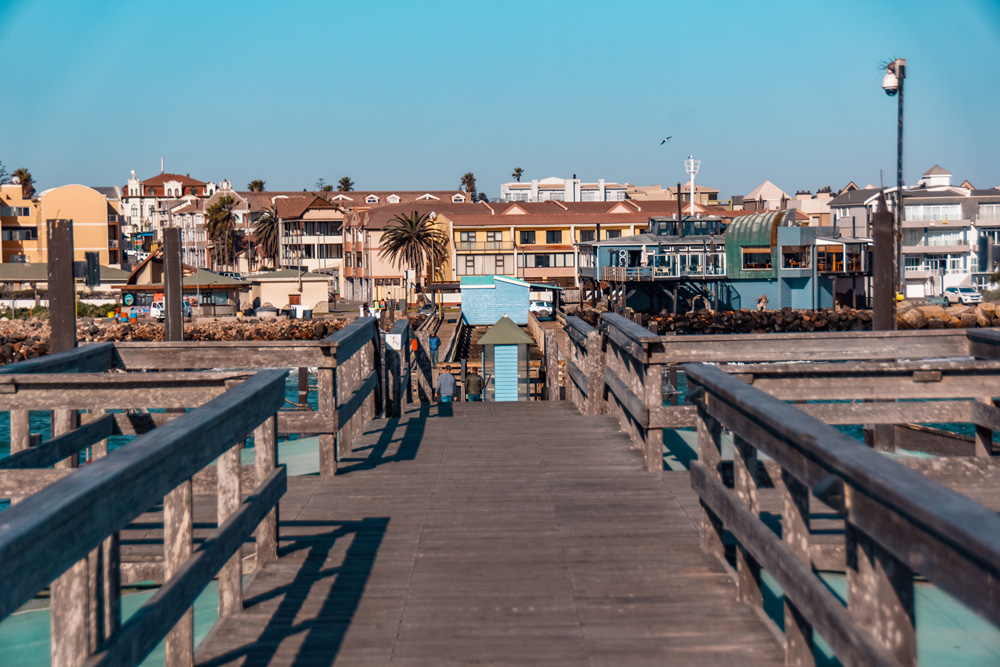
(140,634)
(95,502)
(985,416)
(795,535)
(20,483)
(710,456)
(63,422)
(111,586)
(71,616)
(628,400)
(89,358)
(231,575)
(61,285)
(58,448)
(326,403)
(593,368)
(829,617)
(172,279)
(178,535)
(186,355)
(353,337)
(551,366)
(265,445)
(651,387)
(20,430)
(745,485)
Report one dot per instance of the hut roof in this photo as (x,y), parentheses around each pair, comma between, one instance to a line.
(505,332)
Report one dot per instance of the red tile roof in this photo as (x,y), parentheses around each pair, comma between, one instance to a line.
(185,180)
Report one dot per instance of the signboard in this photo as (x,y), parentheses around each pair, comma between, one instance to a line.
(394,341)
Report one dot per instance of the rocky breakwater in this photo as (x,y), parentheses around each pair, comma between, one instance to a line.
(26,339)
(985,314)
(707,321)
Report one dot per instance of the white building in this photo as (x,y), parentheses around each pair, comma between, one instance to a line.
(562,189)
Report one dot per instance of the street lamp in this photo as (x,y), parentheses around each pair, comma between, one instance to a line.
(892,84)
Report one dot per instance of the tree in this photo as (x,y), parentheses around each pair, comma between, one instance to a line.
(483,197)
(345,184)
(4,176)
(220,223)
(323,186)
(517,174)
(468,183)
(27,182)
(266,232)
(256,185)
(413,241)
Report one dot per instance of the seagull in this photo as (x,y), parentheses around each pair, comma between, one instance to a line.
(667,139)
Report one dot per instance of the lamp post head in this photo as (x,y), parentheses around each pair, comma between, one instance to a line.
(895,72)
(691,166)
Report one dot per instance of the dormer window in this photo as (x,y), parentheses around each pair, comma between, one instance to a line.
(371,199)
(392,199)
(152,191)
(458,199)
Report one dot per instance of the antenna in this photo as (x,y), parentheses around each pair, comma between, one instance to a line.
(161,165)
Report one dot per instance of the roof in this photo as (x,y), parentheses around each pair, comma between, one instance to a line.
(853,197)
(937,170)
(28,272)
(290,208)
(766,190)
(489,281)
(505,332)
(287,274)
(109,191)
(185,180)
(757,230)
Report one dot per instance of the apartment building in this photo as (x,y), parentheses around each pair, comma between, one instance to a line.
(562,189)
(148,204)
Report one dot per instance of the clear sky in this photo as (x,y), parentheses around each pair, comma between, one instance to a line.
(411,95)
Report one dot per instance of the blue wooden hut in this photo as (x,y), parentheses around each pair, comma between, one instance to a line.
(505,361)
(485,299)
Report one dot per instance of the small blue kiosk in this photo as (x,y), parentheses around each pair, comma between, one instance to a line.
(505,361)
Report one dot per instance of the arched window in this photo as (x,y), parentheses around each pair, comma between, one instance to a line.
(194,191)
(152,191)
(371,199)
(135,211)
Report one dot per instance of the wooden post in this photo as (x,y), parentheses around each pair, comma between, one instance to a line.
(347,382)
(303,389)
(62,290)
(880,591)
(173,309)
(984,435)
(71,633)
(745,484)
(710,456)
(593,369)
(551,366)
(652,393)
(328,408)
(795,535)
(65,420)
(265,443)
(20,430)
(231,574)
(178,535)
(673,383)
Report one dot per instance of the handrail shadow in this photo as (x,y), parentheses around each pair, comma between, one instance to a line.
(409,443)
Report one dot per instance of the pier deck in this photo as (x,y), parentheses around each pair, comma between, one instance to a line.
(488,533)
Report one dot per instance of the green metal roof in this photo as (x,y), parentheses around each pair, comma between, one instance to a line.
(288,274)
(505,332)
(758,230)
(544,287)
(38,272)
(473,281)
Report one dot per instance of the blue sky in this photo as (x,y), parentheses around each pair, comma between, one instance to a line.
(411,95)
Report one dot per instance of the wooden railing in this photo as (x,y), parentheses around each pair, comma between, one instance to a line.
(897,523)
(65,535)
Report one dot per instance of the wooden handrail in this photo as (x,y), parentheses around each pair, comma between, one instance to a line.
(92,358)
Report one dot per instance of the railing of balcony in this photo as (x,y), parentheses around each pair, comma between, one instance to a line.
(483,245)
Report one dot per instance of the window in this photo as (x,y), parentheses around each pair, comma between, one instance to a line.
(470,264)
(467,237)
(989,211)
(553,236)
(937,237)
(19,211)
(371,199)
(458,199)
(392,199)
(152,210)
(586,235)
(913,237)
(936,212)
(527,238)
(614,234)
(517,196)
(795,257)
(499,264)
(756,259)
(543,261)
(135,211)
(20,234)
(494,237)
(589,195)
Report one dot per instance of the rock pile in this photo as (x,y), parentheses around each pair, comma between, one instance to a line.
(707,321)
(26,339)
(985,314)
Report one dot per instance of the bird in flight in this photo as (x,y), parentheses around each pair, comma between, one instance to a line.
(667,139)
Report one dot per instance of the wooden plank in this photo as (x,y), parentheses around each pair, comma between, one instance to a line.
(60,447)
(632,403)
(327,409)
(187,355)
(347,410)
(931,412)
(231,575)
(178,542)
(20,430)
(352,338)
(138,423)
(173,328)
(70,630)
(89,358)
(265,447)
(577,376)
(628,328)
(851,644)
(141,633)
(19,483)
(46,533)
(61,285)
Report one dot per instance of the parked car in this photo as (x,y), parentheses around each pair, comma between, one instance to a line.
(963,295)
(541,308)
(230,274)
(156,310)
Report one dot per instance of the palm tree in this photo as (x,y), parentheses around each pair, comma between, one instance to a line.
(220,223)
(255,185)
(468,183)
(517,174)
(345,184)
(413,241)
(323,186)
(266,232)
(27,183)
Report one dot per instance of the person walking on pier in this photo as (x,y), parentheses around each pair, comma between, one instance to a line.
(474,387)
(435,343)
(445,387)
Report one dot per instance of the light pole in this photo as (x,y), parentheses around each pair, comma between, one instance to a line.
(691,166)
(892,84)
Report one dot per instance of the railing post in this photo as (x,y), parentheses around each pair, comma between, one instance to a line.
(879,590)
(745,483)
(173,291)
(710,456)
(178,537)
(551,366)
(795,535)
(593,369)
(652,395)
(347,382)
(65,420)
(984,434)
(20,431)
(62,289)
(71,631)
(265,458)
(327,403)
(231,574)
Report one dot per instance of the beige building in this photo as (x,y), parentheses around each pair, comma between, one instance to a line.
(288,288)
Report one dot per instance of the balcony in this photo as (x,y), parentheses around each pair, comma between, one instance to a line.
(484,246)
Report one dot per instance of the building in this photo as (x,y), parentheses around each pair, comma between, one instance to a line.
(311,235)
(765,197)
(486,299)
(208,293)
(703,195)
(94,212)
(562,189)
(289,289)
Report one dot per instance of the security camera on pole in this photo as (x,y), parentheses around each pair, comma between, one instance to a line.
(892,84)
